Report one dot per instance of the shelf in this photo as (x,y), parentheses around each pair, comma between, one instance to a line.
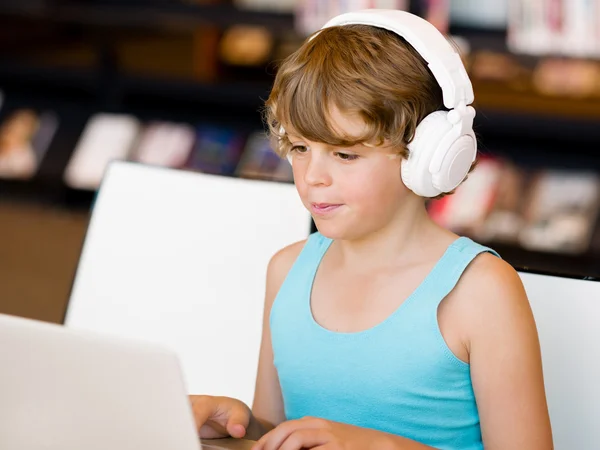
(151,15)
(534,130)
(239,93)
(481,38)
(534,139)
(514,126)
(37,75)
(184,97)
(498,96)
(573,266)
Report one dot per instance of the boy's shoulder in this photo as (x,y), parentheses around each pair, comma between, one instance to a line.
(488,269)
(279,266)
(490,287)
(288,254)
(283,260)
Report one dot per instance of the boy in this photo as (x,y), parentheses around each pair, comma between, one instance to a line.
(383,330)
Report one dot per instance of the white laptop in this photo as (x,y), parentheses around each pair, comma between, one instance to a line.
(64,389)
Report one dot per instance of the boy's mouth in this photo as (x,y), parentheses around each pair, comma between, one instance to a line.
(324,208)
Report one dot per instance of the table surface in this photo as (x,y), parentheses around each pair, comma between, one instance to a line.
(228,443)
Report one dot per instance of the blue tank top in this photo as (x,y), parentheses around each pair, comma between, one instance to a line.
(398,377)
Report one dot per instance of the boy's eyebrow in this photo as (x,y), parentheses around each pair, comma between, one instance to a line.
(295,137)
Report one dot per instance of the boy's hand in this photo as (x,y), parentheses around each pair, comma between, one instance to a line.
(310,432)
(219,417)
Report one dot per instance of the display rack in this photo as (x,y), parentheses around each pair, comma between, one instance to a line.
(146,14)
(532,129)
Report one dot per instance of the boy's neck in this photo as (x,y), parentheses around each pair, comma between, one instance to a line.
(411,234)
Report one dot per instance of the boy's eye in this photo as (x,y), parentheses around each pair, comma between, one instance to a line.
(346,156)
(299,148)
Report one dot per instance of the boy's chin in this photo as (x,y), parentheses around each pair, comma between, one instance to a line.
(331,230)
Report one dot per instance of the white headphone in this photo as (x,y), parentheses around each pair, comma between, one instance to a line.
(444,146)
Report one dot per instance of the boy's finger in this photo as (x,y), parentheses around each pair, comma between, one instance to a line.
(203,409)
(238,422)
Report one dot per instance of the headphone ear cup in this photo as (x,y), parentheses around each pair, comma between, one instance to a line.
(456,163)
(415,169)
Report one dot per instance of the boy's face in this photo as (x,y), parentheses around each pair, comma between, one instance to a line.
(350,192)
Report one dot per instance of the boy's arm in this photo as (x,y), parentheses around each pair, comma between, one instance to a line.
(267,409)
(505,358)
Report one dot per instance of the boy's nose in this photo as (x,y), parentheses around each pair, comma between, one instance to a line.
(316,172)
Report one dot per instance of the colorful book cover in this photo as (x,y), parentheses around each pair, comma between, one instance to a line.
(506,217)
(465,211)
(259,161)
(561,211)
(106,137)
(165,144)
(217,150)
(25,136)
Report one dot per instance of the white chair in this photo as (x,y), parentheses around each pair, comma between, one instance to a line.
(567,314)
(180,258)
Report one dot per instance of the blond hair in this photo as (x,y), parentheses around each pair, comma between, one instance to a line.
(360,69)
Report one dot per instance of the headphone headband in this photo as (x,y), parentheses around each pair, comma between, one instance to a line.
(444,62)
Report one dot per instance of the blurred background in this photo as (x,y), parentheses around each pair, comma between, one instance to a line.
(181,83)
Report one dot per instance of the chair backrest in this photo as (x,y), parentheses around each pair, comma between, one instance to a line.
(180,258)
(567,314)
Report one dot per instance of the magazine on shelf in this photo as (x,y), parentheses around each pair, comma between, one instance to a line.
(505,219)
(25,136)
(106,137)
(164,144)
(311,15)
(561,212)
(217,150)
(559,27)
(539,210)
(260,161)
(465,211)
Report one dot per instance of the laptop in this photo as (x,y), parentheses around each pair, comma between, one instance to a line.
(66,389)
